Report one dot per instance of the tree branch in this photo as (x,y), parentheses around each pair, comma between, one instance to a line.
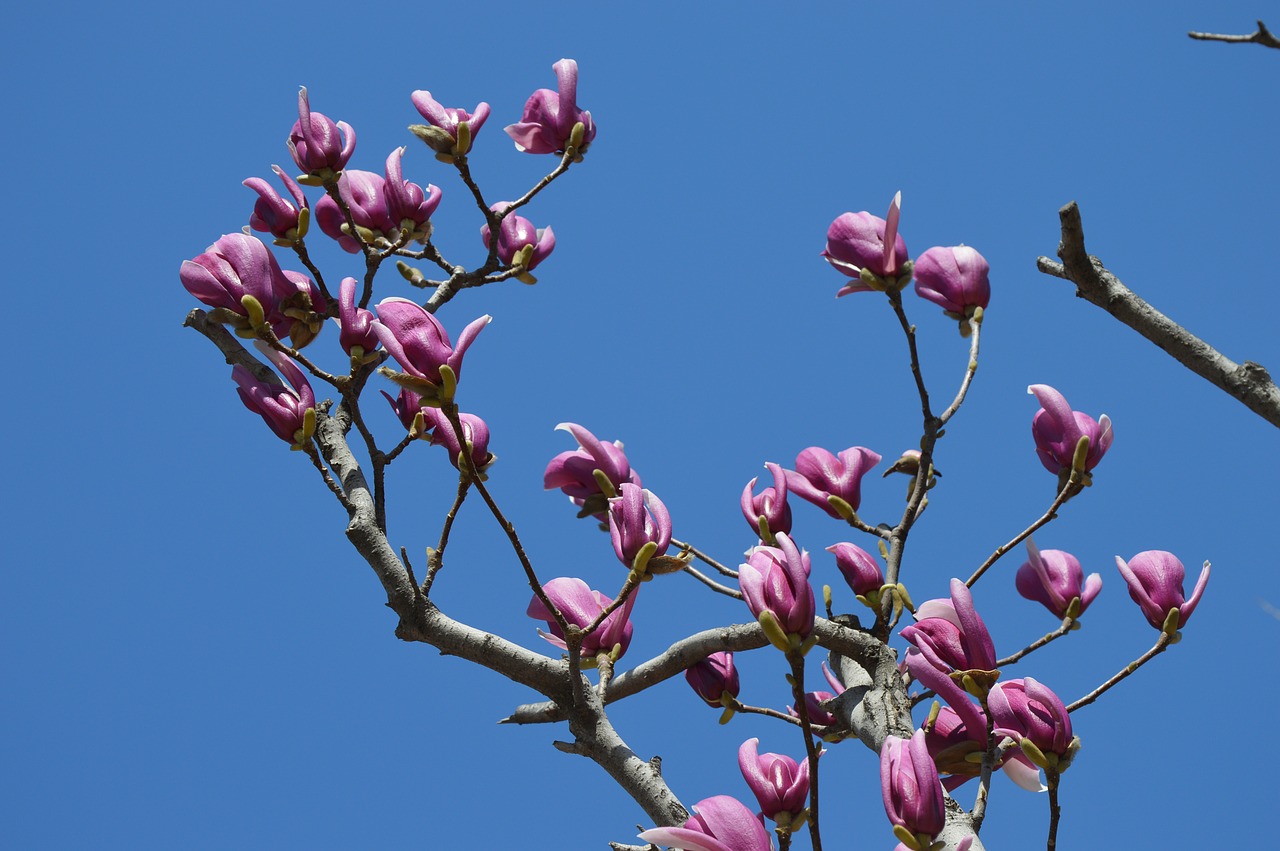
(1248,382)
(1263,37)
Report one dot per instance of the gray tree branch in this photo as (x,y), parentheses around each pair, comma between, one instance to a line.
(1248,382)
(1263,37)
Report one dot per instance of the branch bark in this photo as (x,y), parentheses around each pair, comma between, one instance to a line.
(1248,382)
(1263,37)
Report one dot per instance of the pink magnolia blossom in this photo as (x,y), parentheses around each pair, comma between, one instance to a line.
(419,343)
(769,507)
(318,145)
(950,634)
(909,784)
(1057,429)
(720,823)
(519,242)
(1155,580)
(580,606)
(288,411)
(859,568)
(1027,711)
(574,472)
(458,128)
(775,584)
(638,518)
(955,279)
(357,334)
(384,207)
(474,430)
(780,784)
(1054,578)
(272,213)
(868,249)
(549,117)
(713,678)
(819,476)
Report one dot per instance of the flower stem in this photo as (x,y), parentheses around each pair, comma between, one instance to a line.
(1161,643)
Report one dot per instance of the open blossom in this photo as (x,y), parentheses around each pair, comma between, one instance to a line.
(775,583)
(380,205)
(770,505)
(288,411)
(1030,713)
(868,249)
(954,278)
(317,143)
(474,430)
(519,242)
(714,677)
(419,343)
(235,266)
(1057,429)
(457,127)
(720,823)
(273,214)
(1054,578)
(574,472)
(549,117)
(780,784)
(580,606)
(1155,583)
(819,476)
(950,634)
(638,518)
(910,787)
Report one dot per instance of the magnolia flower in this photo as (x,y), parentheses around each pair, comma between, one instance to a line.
(1155,584)
(637,518)
(575,471)
(419,343)
(519,242)
(474,430)
(357,336)
(909,784)
(386,209)
(780,784)
(1035,717)
(859,568)
(1054,579)
(950,634)
(823,478)
(775,586)
(317,144)
(547,125)
(720,823)
(455,129)
(713,678)
(955,279)
(233,268)
(273,214)
(288,411)
(868,249)
(768,513)
(1057,430)
(580,606)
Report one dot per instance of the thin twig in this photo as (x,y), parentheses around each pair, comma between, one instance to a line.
(565,161)
(1263,37)
(766,711)
(811,749)
(1159,647)
(979,812)
(1051,778)
(975,332)
(435,559)
(711,583)
(399,447)
(1063,629)
(705,559)
(1063,496)
(633,581)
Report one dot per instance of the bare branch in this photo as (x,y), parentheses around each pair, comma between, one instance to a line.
(1263,37)
(1248,382)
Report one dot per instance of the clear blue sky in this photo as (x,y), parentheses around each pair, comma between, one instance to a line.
(193,655)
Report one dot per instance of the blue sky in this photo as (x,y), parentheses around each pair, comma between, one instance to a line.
(196,658)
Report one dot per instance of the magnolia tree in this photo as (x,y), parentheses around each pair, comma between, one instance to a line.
(942,718)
